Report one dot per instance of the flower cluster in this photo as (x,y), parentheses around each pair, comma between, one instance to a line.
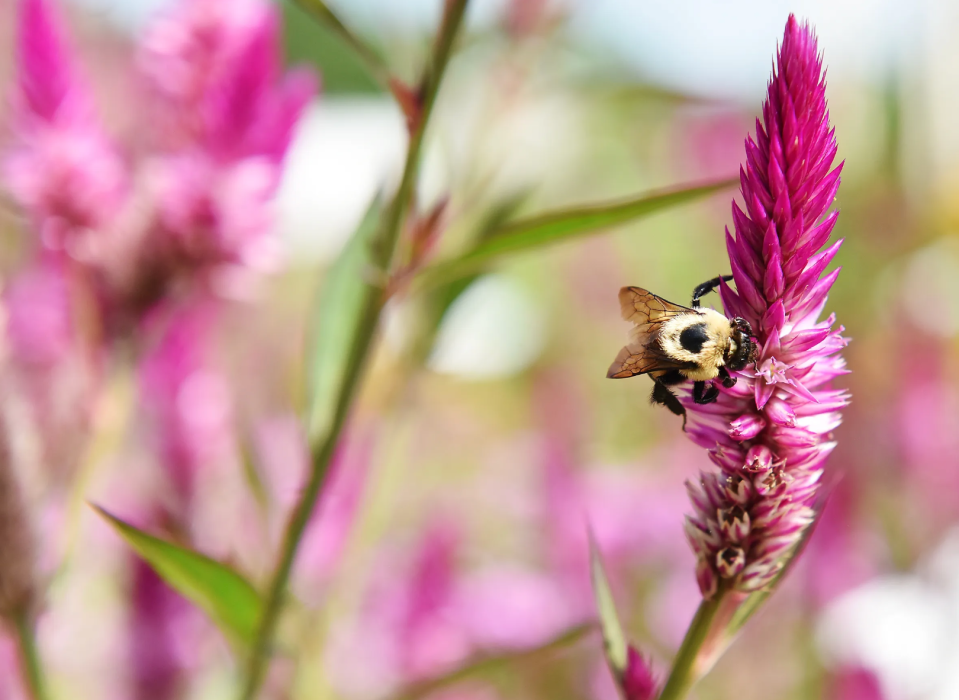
(771,432)
(191,193)
(138,238)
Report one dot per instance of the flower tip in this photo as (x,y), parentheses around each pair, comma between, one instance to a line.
(638,680)
(44,71)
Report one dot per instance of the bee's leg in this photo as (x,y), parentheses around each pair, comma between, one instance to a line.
(706,287)
(729,381)
(703,393)
(663,396)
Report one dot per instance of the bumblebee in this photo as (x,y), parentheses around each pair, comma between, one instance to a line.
(674,344)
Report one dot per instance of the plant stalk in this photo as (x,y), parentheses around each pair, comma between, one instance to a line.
(324,444)
(30,666)
(685,671)
(371,60)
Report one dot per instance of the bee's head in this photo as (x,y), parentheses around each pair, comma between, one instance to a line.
(743,350)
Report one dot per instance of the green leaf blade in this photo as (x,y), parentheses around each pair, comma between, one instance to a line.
(614,639)
(554,227)
(222,593)
(348,296)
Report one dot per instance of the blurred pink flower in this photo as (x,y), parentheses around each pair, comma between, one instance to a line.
(283,460)
(926,414)
(211,214)
(854,684)
(327,534)
(10,685)
(53,368)
(842,554)
(229,118)
(39,322)
(158,669)
(771,432)
(426,614)
(214,67)
(187,397)
(61,168)
(638,680)
(210,152)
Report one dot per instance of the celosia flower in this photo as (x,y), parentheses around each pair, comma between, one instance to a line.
(157,665)
(62,169)
(189,401)
(39,327)
(771,433)
(638,682)
(226,118)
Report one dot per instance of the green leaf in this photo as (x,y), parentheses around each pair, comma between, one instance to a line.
(614,640)
(223,594)
(547,229)
(350,293)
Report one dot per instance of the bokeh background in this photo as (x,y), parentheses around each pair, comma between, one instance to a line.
(487,436)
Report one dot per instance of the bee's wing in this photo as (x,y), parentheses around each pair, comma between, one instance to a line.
(643,354)
(642,307)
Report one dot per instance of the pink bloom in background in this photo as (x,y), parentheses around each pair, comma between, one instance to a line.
(158,644)
(39,322)
(10,688)
(61,167)
(771,433)
(192,54)
(283,460)
(186,396)
(208,157)
(227,117)
(842,554)
(854,684)
(638,681)
(926,414)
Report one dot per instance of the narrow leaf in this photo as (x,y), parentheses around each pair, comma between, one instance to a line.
(547,229)
(222,593)
(614,641)
(349,292)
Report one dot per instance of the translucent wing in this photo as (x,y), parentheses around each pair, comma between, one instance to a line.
(642,307)
(643,353)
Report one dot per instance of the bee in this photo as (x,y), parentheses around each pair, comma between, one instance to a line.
(674,344)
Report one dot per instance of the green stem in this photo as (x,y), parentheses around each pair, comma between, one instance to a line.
(374,64)
(30,658)
(684,673)
(324,444)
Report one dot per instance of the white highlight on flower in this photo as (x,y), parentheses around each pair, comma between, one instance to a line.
(494,329)
(904,627)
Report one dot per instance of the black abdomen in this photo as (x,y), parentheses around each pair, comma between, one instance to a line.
(693,338)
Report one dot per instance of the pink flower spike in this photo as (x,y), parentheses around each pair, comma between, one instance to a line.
(784,411)
(60,167)
(638,680)
(49,88)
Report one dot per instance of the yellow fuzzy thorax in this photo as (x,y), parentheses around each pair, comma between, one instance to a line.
(712,354)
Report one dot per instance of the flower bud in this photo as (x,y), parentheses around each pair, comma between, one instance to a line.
(730,561)
(746,427)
